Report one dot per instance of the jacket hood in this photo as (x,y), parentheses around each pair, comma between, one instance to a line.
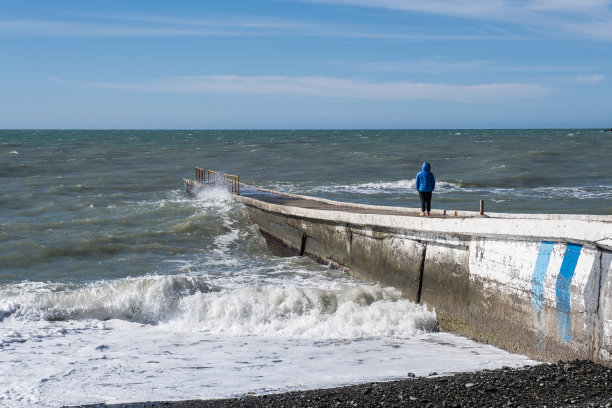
(426,166)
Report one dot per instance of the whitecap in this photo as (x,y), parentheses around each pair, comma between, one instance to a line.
(147,299)
(293,312)
(383,187)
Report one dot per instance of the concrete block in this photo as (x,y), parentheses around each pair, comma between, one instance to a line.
(281,237)
(446,276)
(326,241)
(387,259)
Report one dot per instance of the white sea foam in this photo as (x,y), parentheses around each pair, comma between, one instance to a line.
(96,348)
(449,188)
(381,187)
(292,312)
(125,362)
(580,193)
(185,303)
(148,299)
(548,193)
(213,196)
(338,332)
(384,187)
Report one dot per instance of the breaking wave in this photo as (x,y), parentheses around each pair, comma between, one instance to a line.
(193,303)
(381,187)
(546,193)
(347,313)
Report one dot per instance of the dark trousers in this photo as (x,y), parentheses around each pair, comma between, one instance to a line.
(425,200)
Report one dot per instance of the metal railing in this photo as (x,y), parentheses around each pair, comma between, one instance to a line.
(232,181)
(206,176)
(213,177)
(199,174)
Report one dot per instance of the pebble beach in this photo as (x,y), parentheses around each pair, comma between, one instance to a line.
(561,384)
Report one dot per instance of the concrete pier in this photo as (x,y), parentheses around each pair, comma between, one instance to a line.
(538,284)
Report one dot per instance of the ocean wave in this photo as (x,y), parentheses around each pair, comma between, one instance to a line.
(381,187)
(188,304)
(525,189)
(580,193)
(545,193)
(302,312)
(148,299)
(162,226)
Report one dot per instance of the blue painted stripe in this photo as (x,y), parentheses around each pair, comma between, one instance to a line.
(537,288)
(564,280)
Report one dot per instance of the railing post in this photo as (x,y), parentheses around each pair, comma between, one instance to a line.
(199,174)
(232,182)
(481,207)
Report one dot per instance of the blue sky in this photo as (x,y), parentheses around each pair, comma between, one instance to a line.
(306,64)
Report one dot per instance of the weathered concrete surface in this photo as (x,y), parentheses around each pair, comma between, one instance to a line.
(534,284)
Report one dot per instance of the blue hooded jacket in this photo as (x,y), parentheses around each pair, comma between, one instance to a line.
(425,180)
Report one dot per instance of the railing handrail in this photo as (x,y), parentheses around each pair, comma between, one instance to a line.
(232,181)
(199,174)
(214,175)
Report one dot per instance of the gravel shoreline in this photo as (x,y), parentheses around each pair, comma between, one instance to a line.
(562,384)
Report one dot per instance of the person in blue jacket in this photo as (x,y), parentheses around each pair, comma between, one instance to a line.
(425,185)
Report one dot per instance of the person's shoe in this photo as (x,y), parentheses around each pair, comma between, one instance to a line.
(422,213)
(428,213)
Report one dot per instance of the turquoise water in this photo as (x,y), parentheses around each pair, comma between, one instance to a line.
(100,245)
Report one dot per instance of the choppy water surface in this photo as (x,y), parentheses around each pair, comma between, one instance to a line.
(115,286)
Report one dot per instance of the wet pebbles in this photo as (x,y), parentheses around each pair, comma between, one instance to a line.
(561,384)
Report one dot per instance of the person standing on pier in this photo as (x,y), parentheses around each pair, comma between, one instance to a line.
(425,185)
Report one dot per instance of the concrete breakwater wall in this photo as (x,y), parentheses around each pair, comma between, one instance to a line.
(534,284)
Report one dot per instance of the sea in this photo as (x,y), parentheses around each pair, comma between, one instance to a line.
(116,287)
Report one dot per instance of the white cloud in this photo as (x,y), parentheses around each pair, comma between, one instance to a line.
(571,6)
(337,88)
(499,9)
(441,65)
(70,29)
(589,18)
(165,27)
(588,79)
(467,8)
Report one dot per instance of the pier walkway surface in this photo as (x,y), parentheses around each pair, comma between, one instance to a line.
(316,203)
(292,200)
